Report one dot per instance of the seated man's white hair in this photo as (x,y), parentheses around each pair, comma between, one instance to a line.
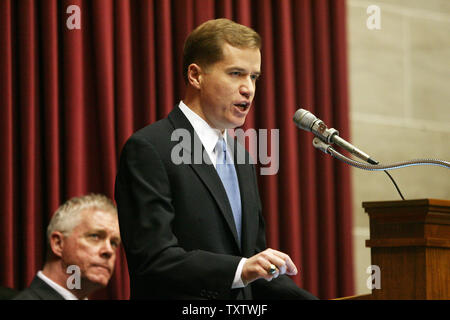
(67,216)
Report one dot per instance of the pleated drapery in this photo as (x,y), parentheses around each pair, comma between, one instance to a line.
(69,99)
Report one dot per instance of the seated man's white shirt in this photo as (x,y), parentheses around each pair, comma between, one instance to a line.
(66,294)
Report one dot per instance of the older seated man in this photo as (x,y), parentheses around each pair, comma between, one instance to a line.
(83,237)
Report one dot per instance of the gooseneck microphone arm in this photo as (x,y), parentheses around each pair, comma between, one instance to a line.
(324,137)
(364,166)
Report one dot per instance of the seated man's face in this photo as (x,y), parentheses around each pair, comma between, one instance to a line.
(92,246)
(228,87)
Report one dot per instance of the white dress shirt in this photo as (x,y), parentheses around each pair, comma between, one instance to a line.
(209,137)
(67,295)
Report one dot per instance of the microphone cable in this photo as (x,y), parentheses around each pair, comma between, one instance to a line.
(395,184)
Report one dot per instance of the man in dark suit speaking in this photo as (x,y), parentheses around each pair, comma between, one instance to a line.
(193,229)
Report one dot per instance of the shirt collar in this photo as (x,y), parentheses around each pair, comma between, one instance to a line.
(208,135)
(67,295)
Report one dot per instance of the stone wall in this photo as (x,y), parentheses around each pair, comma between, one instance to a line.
(400,105)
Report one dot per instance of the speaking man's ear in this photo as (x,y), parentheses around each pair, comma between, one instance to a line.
(194,75)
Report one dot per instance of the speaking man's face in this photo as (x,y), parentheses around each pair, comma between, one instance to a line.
(227,87)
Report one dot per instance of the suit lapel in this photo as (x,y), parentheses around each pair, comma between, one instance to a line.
(206,172)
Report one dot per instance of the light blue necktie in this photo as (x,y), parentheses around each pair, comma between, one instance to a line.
(227,173)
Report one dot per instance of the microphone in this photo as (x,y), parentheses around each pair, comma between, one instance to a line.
(307,121)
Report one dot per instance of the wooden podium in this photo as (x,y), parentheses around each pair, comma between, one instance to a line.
(410,242)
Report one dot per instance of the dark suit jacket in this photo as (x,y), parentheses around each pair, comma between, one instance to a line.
(7,293)
(38,290)
(177,225)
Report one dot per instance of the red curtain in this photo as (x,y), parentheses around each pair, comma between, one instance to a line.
(69,99)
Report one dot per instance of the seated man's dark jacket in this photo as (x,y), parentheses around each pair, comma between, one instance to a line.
(38,290)
(7,293)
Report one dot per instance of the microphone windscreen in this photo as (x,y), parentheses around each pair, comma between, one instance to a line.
(304,119)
